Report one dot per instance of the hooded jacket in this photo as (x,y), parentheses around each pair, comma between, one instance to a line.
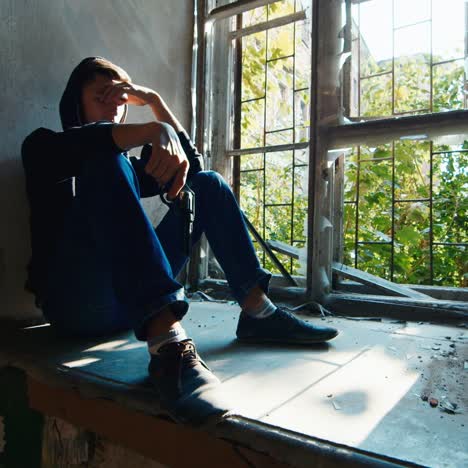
(51,162)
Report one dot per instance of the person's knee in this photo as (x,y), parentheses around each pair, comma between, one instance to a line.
(210,180)
(108,164)
(109,169)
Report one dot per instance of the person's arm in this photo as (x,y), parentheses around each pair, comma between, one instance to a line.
(163,113)
(56,156)
(138,95)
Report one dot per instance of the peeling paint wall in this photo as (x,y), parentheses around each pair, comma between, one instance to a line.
(65,445)
(42,40)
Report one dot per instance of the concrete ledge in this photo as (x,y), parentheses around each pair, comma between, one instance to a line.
(125,411)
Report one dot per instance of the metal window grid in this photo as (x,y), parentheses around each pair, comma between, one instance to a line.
(394,201)
(290,148)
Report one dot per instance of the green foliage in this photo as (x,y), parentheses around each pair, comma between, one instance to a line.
(409,167)
(390,200)
(387,189)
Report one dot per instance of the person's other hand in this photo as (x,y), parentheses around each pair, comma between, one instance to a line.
(168,161)
(123,92)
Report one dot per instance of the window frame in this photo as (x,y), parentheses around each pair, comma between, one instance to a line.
(329,138)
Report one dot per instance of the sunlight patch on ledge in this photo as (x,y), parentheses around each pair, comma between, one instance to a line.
(80,362)
(109,346)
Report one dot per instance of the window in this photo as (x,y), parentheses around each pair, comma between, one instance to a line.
(343,137)
(406,201)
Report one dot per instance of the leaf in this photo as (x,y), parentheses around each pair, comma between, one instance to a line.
(408,235)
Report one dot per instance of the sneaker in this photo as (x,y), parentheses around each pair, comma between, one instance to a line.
(187,388)
(281,327)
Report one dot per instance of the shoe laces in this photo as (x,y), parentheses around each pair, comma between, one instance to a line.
(177,356)
(180,350)
(289,317)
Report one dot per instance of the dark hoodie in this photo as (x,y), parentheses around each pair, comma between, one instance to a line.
(52,160)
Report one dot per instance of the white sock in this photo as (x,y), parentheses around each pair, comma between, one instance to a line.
(173,335)
(264,310)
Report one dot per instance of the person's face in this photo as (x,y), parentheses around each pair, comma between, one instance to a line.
(94,109)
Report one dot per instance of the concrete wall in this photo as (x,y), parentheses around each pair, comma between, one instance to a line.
(41,42)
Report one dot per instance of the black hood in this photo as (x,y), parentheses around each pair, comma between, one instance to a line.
(70,103)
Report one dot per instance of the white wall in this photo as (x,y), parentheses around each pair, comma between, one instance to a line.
(41,42)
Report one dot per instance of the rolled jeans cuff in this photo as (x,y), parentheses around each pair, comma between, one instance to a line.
(260,278)
(179,307)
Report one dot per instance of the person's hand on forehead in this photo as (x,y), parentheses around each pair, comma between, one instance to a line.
(126,92)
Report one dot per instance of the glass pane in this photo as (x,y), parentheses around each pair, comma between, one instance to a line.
(255,16)
(302,55)
(375,152)
(376,96)
(451,266)
(278,177)
(302,134)
(300,202)
(376,36)
(302,108)
(252,123)
(448,29)
(450,192)
(251,161)
(448,86)
(251,197)
(253,66)
(301,157)
(410,12)
(355,20)
(350,179)
(375,259)
(375,201)
(280,41)
(282,8)
(412,84)
(412,244)
(279,99)
(279,138)
(412,169)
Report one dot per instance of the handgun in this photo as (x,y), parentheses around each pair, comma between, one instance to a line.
(184,203)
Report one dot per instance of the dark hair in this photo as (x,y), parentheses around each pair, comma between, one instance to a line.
(84,73)
(102,66)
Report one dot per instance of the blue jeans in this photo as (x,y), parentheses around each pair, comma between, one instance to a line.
(114,271)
